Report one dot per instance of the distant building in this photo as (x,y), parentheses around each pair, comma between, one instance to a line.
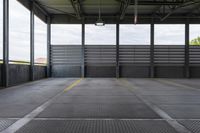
(41,60)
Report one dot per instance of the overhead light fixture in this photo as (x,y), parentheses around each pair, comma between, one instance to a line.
(99,21)
(136,12)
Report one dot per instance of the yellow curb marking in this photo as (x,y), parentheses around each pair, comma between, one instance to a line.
(72,85)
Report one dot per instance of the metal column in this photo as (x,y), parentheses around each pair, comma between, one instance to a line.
(187,47)
(48,46)
(117,51)
(152,52)
(83,51)
(5,73)
(32,42)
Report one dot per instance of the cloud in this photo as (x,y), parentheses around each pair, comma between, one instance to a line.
(170,34)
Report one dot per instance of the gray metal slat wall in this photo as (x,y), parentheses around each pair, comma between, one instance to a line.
(169,61)
(100,60)
(66,60)
(194,54)
(134,60)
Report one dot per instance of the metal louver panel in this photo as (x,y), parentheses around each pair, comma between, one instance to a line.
(194,55)
(100,55)
(173,55)
(134,54)
(66,55)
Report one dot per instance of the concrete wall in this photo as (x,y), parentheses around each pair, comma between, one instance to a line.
(100,71)
(66,71)
(0,75)
(18,74)
(135,71)
(195,71)
(40,72)
(21,73)
(169,72)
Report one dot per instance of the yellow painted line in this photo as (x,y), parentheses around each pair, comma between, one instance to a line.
(72,85)
(175,84)
(127,84)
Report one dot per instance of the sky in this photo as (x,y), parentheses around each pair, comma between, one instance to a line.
(71,34)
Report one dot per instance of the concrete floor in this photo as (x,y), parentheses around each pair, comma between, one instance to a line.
(99,105)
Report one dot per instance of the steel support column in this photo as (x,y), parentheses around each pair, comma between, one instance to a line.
(152,73)
(32,42)
(117,51)
(48,46)
(187,47)
(83,51)
(5,73)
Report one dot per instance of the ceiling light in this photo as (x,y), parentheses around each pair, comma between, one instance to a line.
(99,21)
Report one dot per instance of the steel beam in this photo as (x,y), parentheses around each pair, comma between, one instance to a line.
(152,73)
(83,51)
(187,47)
(161,2)
(32,42)
(175,8)
(155,2)
(77,8)
(123,7)
(117,51)
(196,8)
(5,73)
(48,46)
(38,6)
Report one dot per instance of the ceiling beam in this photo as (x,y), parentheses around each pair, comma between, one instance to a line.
(157,2)
(37,5)
(196,8)
(188,3)
(123,7)
(77,8)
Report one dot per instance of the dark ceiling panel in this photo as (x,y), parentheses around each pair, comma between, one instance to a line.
(111,8)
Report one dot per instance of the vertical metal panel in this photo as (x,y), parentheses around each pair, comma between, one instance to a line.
(169,71)
(117,50)
(83,52)
(40,72)
(18,74)
(187,46)
(48,46)
(5,73)
(32,42)
(152,52)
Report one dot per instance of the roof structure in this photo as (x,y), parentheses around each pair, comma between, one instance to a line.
(118,11)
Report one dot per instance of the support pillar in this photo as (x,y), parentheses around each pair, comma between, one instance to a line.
(83,51)
(117,51)
(5,73)
(48,46)
(32,42)
(152,72)
(187,47)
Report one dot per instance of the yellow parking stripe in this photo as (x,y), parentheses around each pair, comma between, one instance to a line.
(72,85)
